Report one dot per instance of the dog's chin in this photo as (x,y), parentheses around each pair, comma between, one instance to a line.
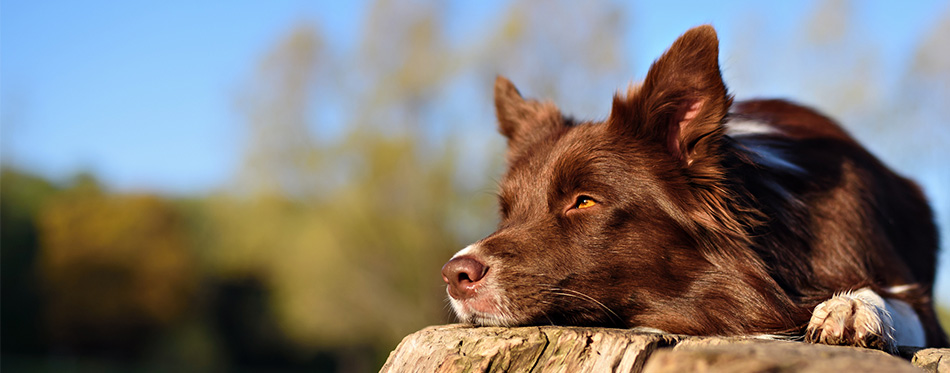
(491,320)
(481,313)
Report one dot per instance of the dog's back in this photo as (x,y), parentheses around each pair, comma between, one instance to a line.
(840,219)
(856,202)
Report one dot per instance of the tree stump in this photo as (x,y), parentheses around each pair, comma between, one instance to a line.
(463,348)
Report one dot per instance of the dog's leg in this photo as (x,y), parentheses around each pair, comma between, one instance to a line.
(862,318)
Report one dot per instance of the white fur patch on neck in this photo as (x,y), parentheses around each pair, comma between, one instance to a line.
(747,127)
(763,154)
(773,158)
(901,288)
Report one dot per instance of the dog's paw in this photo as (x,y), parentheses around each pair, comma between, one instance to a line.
(852,319)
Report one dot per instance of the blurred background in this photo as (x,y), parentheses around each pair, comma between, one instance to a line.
(274,186)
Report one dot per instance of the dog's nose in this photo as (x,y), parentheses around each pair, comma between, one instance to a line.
(462,275)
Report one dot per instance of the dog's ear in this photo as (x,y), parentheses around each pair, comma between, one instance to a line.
(680,107)
(522,121)
(682,101)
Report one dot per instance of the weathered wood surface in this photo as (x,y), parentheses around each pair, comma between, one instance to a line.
(772,356)
(932,359)
(461,348)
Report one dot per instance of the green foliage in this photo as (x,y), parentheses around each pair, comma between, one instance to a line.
(349,235)
(112,267)
(352,264)
(943,315)
(21,197)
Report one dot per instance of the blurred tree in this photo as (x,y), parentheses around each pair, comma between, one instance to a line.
(921,96)
(573,54)
(114,269)
(348,231)
(280,145)
(22,196)
(333,256)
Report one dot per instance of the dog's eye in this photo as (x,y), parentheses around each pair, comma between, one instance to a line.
(584,202)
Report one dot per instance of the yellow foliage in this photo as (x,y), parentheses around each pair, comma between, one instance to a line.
(111,262)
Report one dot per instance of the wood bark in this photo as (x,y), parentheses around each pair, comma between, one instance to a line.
(462,348)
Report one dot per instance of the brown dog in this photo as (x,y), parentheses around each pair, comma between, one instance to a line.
(686,213)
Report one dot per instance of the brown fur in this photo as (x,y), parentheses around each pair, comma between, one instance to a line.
(692,231)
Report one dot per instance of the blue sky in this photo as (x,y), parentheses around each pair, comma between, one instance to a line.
(143,94)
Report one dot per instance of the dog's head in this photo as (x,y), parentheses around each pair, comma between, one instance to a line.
(604,223)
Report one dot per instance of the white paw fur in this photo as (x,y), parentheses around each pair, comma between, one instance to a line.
(862,318)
